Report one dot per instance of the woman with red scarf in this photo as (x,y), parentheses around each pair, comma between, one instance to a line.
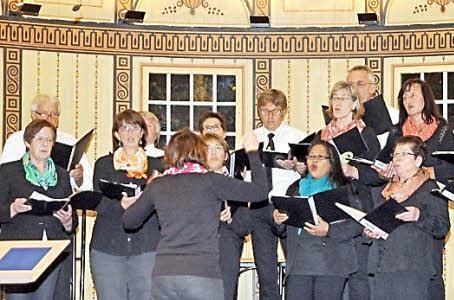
(121,260)
(187,200)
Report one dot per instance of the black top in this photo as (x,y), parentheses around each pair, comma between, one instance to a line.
(188,208)
(25,226)
(412,246)
(333,254)
(109,235)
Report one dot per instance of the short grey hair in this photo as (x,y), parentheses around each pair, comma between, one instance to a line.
(370,73)
(43,98)
(147,115)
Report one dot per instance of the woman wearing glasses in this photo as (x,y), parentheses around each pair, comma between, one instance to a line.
(35,172)
(419,116)
(319,258)
(121,260)
(404,264)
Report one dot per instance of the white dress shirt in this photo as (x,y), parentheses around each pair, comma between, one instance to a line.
(394,114)
(283,135)
(152,151)
(14,149)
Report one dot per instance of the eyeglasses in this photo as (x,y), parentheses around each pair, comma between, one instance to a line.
(341,99)
(402,154)
(217,148)
(265,112)
(359,84)
(42,139)
(212,127)
(130,128)
(47,115)
(411,95)
(317,157)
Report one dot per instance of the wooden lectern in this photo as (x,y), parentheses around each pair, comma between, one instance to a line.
(24,261)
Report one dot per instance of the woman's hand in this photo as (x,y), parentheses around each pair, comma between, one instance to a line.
(350,171)
(279,217)
(155,174)
(372,234)
(292,164)
(387,172)
(250,142)
(19,206)
(128,201)
(318,230)
(78,174)
(412,215)
(226,215)
(65,217)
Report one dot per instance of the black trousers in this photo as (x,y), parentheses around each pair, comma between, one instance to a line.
(264,243)
(230,248)
(305,287)
(400,285)
(358,282)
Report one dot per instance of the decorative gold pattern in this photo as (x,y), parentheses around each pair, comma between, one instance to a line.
(425,40)
(96,116)
(308,98)
(57,93)
(38,72)
(374,6)
(442,3)
(289,91)
(12,98)
(261,8)
(121,7)
(123,75)
(262,71)
(76,106)
(376,65)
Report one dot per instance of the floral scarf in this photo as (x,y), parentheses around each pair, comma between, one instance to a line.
(188,167)
(34,175)
(136,166)
(424,131)
(332,130)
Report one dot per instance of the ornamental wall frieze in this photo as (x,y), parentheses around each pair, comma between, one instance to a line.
(247,44)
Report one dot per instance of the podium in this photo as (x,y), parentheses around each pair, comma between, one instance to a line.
(24,261)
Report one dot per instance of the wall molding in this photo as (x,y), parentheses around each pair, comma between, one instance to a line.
(196,42)
(12,102)
(122,83)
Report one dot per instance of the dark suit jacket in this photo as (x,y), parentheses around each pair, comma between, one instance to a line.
(412,246)
(24,226)
(333,254)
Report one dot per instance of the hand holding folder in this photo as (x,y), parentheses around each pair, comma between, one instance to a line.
(381,220)
(68,156)
(115,190)
(446,191)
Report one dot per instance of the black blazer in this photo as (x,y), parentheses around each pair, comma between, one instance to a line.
(24,226)
(333,254)
(412,246)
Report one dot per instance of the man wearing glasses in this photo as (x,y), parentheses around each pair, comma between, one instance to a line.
(272,108)
(366,84)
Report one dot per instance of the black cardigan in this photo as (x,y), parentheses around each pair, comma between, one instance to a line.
(188,209)
(109,236)
(24,226)
(413,246)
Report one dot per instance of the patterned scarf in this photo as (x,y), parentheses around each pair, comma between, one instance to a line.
(34,175)
(400,191)
(136,165)
(188,167)
(332,130)
(424,131)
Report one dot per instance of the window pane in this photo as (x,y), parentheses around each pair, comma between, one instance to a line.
(451,115)
(451,85)
(198,111)
(435,80)
(157,86)
(203,87)
(229,114)
(440,108)
(404,77)
(231,142)
(226,87)
(179,87)
(160,112)
(180,117)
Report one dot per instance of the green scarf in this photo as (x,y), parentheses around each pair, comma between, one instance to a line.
(34,176)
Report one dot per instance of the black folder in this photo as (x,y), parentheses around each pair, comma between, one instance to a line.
(447,155)
(376,115)
(80,200)
(382,219)
(326,115)
(239,161)
(114,190)
(309,139)
(299,151)
(68,156)
(269,158)
(303,209)
(351,141)
(360,160)
(444,191)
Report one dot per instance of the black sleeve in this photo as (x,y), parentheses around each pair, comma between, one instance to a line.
(134,216)
(5,201)
(103,169)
